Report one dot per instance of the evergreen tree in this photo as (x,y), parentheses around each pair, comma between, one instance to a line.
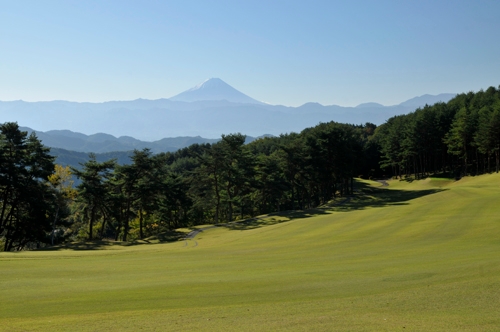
(93,191)
(27,203)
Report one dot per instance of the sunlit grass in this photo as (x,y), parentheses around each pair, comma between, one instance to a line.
(419,256)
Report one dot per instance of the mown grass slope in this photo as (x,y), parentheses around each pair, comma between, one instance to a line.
(419,256)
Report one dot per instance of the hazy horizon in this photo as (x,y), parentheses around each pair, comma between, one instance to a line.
(169,98)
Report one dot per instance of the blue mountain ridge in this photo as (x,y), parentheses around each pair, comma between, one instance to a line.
(224,113)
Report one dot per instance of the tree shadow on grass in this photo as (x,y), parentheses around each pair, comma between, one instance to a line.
(273,218)
(366,196)
(89,245)
(164,237)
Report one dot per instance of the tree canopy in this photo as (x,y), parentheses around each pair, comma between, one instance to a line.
(27,203)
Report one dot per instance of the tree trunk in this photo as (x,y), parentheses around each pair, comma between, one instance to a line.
(91,223)
(497,159)
(141,234)
(54,227)
(126,226)
(230,207)
(217,195)
(119,225)
(103,228)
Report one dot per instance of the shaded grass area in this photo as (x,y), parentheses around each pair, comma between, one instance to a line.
(91,245)
(164,237)
(272,219)
(374,197)
(366,196)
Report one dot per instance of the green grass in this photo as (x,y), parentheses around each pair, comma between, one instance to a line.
(420,256)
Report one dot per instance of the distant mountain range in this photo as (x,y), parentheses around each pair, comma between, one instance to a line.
(104,143)
(76,159)
(207,110)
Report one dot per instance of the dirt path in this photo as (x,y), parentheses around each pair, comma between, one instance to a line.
(383,182)
(191,235)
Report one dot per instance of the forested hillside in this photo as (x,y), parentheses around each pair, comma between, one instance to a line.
(228,180)
(460,137)
(220,182)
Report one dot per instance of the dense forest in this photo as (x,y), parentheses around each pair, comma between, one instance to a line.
(230,180)
(461,137)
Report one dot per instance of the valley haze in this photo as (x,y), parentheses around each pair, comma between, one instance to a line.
(208,110)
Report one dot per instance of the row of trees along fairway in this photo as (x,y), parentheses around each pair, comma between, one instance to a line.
(460,137)
(231,180)
(221,182)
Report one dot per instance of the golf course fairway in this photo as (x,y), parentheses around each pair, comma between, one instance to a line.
(410,256)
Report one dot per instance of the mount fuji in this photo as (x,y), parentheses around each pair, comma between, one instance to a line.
(207,110)
(214,89)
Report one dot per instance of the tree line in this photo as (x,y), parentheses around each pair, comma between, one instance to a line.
(458,138)
(230,180)
(217,183)
(203,183)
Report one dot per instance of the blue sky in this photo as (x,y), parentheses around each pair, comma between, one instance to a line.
(281,52)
